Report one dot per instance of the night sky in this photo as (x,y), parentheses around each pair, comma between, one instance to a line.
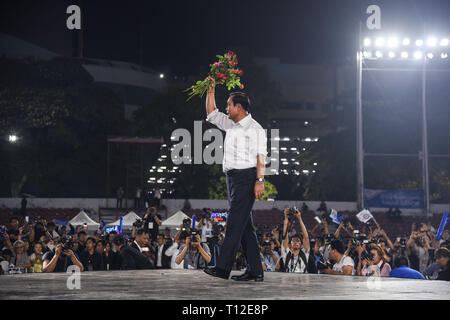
(179,36)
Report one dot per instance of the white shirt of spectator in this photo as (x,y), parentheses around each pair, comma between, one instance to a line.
(206,230)
(173,252)
(244,140)
(159,260)
(296,262)
(345,261)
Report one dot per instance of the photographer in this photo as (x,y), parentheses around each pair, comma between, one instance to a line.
(343,265)
(194,255)
(151,222)
(129,258)
(61,259)
(375,263)
(443,259)
(299,257)
(91,259)
(271,256)
(418,245)
(172,251)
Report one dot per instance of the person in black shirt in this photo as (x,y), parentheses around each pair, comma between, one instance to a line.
(60,260)
(152,221)
(129,258)
(110,258)
(81,236)
(443,259)
(91,259)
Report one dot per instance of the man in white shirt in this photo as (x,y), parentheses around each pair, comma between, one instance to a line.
(245,148)
(343,265)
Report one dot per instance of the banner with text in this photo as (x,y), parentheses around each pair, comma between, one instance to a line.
(394,199)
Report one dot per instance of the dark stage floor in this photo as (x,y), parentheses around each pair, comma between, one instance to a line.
(179,284)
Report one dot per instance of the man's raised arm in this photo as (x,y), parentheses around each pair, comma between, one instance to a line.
(210,97)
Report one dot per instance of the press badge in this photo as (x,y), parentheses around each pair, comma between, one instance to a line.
(150,225)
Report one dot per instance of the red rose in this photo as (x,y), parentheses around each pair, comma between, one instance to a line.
(224,78)
(242,86)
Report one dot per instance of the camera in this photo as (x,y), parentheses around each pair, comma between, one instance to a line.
(366,255)
(292,212)
(67,243)
(193,235)
(356,238)
(329,237)
(138,223)
(186,223)
(323,265)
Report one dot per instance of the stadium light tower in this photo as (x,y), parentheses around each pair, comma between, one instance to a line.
(420,50)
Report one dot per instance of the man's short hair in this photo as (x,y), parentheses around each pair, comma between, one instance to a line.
(81,232)
(242,99)
(92,239)
(400,261)
(103,242)
(338,246)
(118,240)
(18,242)
(297,235)
(161,235)
(13,218)
(140,232)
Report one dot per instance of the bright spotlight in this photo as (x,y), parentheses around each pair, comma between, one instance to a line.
(391,54)
(444,55)
(419,42)
(392,42)
(367,42)
(379,42)
(430,55)
(431,42)
(367,54)
(379,54)
(12,138)
(406,42)
(444,42)
(161,75)
(404,55)
(418,55)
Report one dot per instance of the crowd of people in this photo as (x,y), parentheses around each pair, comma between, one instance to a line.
(42,246)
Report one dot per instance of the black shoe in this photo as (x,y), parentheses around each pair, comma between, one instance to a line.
(216,272)
(248,277)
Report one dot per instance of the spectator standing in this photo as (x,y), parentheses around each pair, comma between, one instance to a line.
(90,258)
(137,198)
(443,259)
(119,195)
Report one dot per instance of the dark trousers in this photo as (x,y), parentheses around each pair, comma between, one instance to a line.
(240,231)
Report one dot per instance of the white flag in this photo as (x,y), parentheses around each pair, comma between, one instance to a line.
(364,216)
(336,217)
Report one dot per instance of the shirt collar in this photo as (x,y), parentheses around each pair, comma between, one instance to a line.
(245,122)
(140,249)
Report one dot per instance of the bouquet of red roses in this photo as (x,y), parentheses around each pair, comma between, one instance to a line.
(224,71)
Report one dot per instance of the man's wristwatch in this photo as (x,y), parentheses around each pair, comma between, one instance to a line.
(260,179)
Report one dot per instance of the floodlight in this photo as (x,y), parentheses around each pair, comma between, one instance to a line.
(419,42)
(418,55)
(431,42)
(379,42)
(367,42)
(404,55)
(444,42)
(406,42)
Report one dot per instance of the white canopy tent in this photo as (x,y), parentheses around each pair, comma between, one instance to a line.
(128,220)
(82,218)
(174,220)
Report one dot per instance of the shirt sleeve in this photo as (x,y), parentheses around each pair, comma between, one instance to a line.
(261,142)
(220,120)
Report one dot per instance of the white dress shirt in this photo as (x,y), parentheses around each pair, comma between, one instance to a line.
(244,140)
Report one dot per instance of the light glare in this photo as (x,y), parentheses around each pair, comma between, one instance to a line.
(406,42)
(379,42)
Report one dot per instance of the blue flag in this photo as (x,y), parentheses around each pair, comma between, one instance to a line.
(193,222)
(120,226)
(102,225)
(442,226)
